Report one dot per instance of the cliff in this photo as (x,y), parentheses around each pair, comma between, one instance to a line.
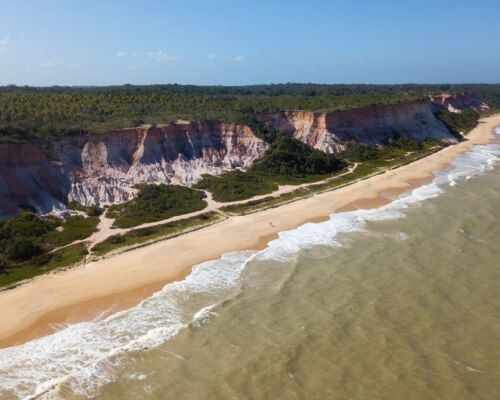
(29,178)
(460,102)
(104,168)
(330,131)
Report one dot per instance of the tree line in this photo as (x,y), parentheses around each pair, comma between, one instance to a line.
(34,111)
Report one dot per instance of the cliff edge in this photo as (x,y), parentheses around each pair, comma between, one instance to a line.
(44,174)
(331,131)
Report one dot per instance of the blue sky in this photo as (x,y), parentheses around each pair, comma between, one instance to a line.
(245,42)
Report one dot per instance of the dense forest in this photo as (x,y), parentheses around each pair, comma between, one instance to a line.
(30,245)
(31,111)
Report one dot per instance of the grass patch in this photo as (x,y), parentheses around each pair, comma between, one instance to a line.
(155,233)
(75,227)
(155,203)
(59,259)
(236,185)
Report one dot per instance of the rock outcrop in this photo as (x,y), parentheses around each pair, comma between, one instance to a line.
(102,169)
(28,178)
(460,102)
(331,131)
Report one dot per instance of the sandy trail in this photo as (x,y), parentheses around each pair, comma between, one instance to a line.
(105,227)
(81,293)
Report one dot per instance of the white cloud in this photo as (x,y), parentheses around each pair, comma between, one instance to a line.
(4,41)
(238,59)
(58,63)
(157,55)
(211,56)
(160,56)
(51,63)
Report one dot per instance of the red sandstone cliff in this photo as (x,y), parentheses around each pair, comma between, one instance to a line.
(103,168)
(331,131)
(29,178)
(460,102)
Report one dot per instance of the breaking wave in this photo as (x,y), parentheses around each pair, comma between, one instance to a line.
(83,355)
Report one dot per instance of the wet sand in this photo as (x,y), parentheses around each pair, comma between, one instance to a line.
(84,293)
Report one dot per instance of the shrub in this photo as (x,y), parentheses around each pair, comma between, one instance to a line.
(21,249)
(137,122)
(459,122)
(288,160)
(157,202)
(94,211)
(236,185)
(27,224)
(290,157)
(91,211)
(359,152)
(3,265)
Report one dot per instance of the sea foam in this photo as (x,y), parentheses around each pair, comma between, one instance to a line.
(84,355)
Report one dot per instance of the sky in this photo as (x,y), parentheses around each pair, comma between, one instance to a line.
(104,42)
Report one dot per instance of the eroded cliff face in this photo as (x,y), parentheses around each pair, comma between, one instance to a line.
(460,102)
(331,131)
(102,169)
(29,178)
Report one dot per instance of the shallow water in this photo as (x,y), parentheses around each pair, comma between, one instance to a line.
(397,302)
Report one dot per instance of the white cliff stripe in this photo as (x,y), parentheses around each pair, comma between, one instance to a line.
(82,355)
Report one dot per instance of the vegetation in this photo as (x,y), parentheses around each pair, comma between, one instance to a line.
(91,211)
(154,233)
(61,258)
(267,202)
(290,160)
(461,122)
(74,227)
(287,161)
(30,245)
(361,172)
(156,202)
(29,111)
(27,242)
(270,202)
(236,185)
(394,151)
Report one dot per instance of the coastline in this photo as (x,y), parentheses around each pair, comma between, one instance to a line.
(83,293)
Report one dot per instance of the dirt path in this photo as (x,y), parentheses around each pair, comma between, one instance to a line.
(105,227)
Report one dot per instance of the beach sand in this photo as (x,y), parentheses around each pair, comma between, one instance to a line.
(49,302)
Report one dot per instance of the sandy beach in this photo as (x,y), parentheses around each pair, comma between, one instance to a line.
(46,303)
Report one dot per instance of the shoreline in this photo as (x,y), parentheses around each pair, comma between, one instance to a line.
(48,302)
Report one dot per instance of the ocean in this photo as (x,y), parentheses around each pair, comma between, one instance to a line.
(397,302)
